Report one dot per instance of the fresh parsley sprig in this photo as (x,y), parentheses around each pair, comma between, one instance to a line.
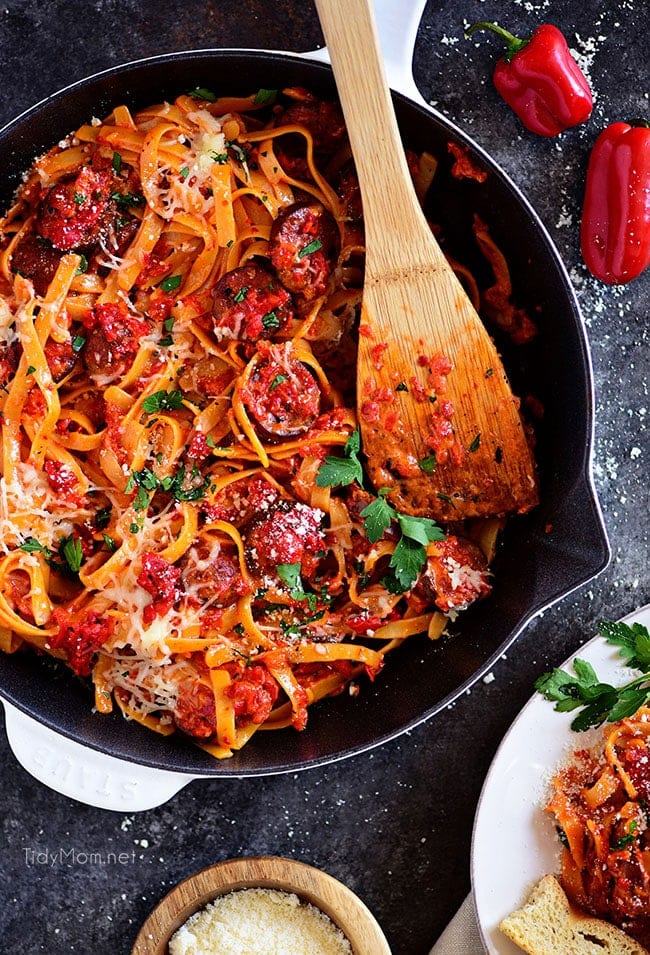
(339,471)
(600,702)
(409,556)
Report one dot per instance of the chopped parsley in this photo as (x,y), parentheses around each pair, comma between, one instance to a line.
(184,173)
(402,386)
(141,502)
(200,92)
(179,485)
(241,294)
(428,464)
(171,282)
(83,265)
(127,198)
(277,381)
(289,574)
(476,443)
(102,517)
(78,343)
(262,97)
(117,163)
(32,546)
(270,320)
(310,248)
(79,198)
(71,551)
(239,151)
(30,370)
(163,401)
(219,158)
(416,533)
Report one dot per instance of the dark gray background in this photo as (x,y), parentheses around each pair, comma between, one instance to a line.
(394,824)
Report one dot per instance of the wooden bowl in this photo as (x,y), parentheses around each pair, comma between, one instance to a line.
(329,895)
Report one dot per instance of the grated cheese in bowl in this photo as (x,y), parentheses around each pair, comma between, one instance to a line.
(255,921)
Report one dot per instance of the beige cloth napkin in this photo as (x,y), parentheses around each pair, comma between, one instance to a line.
(461,937)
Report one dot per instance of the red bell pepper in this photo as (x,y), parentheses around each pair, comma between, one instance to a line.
(615,228)
(540,80)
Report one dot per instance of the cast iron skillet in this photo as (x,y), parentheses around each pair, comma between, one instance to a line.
(543,556)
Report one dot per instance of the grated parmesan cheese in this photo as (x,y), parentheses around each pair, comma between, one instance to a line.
(252,921)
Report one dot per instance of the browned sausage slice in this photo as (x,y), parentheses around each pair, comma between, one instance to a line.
(113,340)
(281,395)
(76,212)
(303,247)
(35,259)
(249,304)
(60,357)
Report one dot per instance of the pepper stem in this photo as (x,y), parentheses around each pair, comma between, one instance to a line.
(513,43)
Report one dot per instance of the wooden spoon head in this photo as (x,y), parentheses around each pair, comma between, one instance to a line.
(439,422)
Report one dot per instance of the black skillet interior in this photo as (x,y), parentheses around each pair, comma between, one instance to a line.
(543,556)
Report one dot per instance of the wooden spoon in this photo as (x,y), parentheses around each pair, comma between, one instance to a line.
(439,423)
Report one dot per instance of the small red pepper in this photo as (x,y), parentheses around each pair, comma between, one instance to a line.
(615,228)
(540,80)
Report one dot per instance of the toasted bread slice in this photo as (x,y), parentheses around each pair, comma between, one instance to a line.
(547,925)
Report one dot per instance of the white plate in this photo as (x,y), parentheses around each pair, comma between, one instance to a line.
(514,842)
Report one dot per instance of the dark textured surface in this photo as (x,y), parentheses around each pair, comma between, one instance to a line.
(395,824)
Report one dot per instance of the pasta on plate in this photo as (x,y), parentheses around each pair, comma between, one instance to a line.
(182,510)
(600,802)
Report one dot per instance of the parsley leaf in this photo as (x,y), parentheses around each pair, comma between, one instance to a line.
(428,464)
(410,553)
(71,551)
(378,516)
(407,561)
(31,546)
(171,282)
(633,641)
(265,96)
(163,401)
(200,92)
(289,574)
(420,529)
(277,381)
(310,248)
(127,198)
(339,471)
(270,320)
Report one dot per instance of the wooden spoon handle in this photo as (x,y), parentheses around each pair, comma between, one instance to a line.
(390,205)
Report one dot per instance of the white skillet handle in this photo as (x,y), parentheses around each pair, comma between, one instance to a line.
(84,774)
(397,24)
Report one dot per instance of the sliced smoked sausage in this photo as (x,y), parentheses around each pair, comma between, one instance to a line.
(303,246)
(249,303)
(281,395)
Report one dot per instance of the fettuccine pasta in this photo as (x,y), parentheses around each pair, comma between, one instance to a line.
(183,517)
(600,802)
